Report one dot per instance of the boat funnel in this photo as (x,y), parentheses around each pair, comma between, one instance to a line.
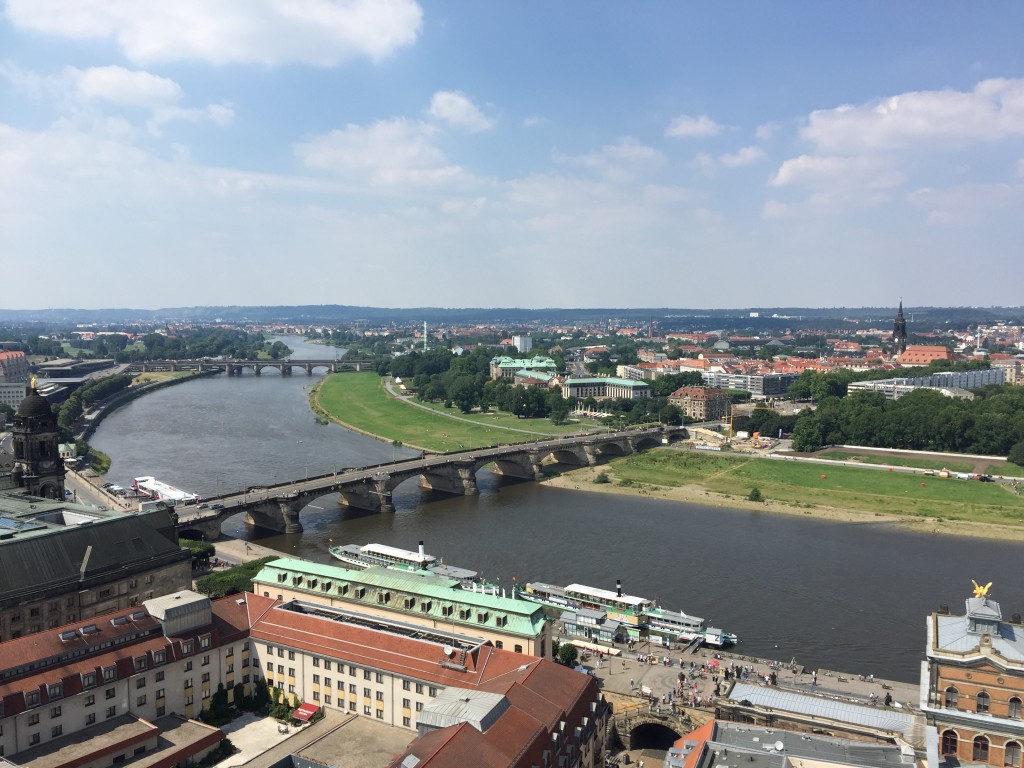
(423,562)
(618,588)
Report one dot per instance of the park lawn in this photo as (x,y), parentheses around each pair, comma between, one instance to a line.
(150,377)
(539,427)
(359,400)
(895,460)
(808,485)
(1005,468)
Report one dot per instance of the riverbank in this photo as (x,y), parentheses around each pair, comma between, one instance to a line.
(585,479)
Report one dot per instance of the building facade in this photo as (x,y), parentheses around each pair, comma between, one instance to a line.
(504,367)
(423,600)
(601,388)
(972,685)
(702,403)
(38,468)
(62,562)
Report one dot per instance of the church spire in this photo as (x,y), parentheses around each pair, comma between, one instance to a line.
(899,332)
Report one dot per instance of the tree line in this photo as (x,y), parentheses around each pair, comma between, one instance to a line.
(992,423)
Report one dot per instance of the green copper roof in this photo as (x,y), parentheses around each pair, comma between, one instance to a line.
(516,617)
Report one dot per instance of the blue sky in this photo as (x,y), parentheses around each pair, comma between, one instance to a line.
(532,154)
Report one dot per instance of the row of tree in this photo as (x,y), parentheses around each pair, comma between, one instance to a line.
(204,342)
(72,408)
(990,424)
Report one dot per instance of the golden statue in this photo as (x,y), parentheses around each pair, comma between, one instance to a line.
(980,591)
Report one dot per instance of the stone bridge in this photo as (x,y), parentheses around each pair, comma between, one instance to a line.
(656,728)
(277,507)
(236,367)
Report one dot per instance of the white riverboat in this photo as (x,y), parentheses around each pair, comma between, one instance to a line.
(384,556)
(151,488)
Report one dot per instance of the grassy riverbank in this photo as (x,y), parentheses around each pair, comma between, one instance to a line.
(934,504)
(360,402)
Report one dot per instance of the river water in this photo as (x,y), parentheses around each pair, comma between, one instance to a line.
(847,596)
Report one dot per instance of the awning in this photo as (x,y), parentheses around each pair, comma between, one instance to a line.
(304,712)
(594,647)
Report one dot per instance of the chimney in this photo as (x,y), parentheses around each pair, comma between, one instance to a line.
(618,588)
(423,562)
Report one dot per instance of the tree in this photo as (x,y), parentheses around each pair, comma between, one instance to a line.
(465,393)
(568,654)
(1016,455)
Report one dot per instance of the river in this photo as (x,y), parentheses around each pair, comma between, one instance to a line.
(847,596)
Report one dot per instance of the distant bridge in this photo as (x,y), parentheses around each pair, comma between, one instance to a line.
(277,507)
(236,367)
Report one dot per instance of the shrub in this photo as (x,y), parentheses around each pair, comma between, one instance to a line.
(755,494)
(602,478)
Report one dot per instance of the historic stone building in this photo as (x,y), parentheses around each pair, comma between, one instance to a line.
(62,562)
(702,403)
(973,685)
(38,468)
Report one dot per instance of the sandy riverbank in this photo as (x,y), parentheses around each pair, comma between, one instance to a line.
(583,480)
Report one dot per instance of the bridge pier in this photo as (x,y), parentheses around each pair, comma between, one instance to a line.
(280,515)
(372,495)
(457,480)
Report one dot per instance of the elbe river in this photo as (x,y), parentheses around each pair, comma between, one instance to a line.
(852,597)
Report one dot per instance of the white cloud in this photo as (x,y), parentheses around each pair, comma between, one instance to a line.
(993,110)
(532,121)
(218,114)
(704,163)
(124,87)
(268,32)
(746,156)
(685,126)
(814,171)
(766,131)
(456,109)
(387,152)
(620,162)
(967,203)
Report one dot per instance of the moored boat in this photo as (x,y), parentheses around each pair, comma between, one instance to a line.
(384,556)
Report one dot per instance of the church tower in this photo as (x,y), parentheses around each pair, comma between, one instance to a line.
(899,332)
(38,468)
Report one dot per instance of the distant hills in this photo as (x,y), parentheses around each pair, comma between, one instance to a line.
(510,316)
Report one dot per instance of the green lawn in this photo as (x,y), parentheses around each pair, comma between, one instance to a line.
(895,460)
(359,400)
(809,485)
(538,427)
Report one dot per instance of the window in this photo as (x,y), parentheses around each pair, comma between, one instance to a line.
(316,679)
(161,711)
(367,692)
(32,699)
(291,689)
(204,641)
(159,693)
(1011,754)
(351,670)
(206,660)
(206,692)
(352,688)
(327,665)
(380,677)
(140,701)
(419,687)
(406,685)
(367,711)
(366,674)
(33,719)
(498,644)
(406,704)
(140,683)
(56,731)
(89,680)
(380,714)
(327,682)
(419,706)
(140,663)
(188,666)
(186,646)
(351,706)
(188,683)
(110,693)
(982,701)
(327,699)
(407,722)
(90,700)
(433,691)
(518,648)
(206,677)
(35,737)
(188,700)
(316,662)
(159,657)
(90,718)
(270,666)
(270,649)
(380,695)
(55,711)
(280,669)
(245,646)
(980,749)
(109,673)
(280,653)
(160,677)
(291,655)
(1014,708)
(291,671)
(111,711)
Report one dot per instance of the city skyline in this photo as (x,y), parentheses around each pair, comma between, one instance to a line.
(411,154)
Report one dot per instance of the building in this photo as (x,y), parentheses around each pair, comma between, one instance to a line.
(128,675)
(523,344)
(972,685)
(950,383)
(421,599)
(766,385)
(899,332)
(118,686)
(702,403)
(62,562)
(601,388)
(507,367)
(920,354)
(11,395)
(14,368)
(38,468)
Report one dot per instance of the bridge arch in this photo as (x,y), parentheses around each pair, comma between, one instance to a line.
(647,441)
(651,734)
(192,534)
(612,448)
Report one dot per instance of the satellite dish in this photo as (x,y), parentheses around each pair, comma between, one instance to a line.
(779,746)
(448,650)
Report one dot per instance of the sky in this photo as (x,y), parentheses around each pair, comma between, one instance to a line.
(530,154)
